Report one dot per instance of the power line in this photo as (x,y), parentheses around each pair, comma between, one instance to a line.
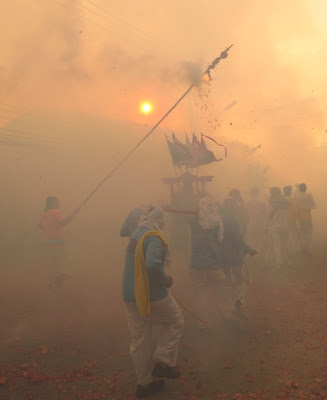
(90,21)
(15,124)
(28,134)
(24,137)
(88,9)
(119,36)
(119,19)
(98,25)
(19,139)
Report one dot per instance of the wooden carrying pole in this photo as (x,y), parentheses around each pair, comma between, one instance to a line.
(223,55)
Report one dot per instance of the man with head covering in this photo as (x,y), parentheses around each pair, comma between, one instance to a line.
(131,222)
(233,251)
(304,203)
(277,226)
(205,262)
(148,302)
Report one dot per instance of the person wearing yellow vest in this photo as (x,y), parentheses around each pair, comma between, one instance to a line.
(304,203)
(148,302)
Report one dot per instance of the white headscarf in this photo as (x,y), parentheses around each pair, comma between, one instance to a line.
(153,218)
(209,216)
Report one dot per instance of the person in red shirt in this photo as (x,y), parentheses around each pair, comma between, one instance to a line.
(53,223)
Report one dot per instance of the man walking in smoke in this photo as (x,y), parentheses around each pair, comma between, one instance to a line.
(206,272)
(148,302)
(52,224)
(233,251)
(217,258)
(131,222)
(293,231)
(304,203)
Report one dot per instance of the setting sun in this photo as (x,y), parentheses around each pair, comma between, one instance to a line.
(146,108)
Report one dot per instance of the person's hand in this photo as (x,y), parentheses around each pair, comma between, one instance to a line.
(75,212)
(253,252)
(169,283)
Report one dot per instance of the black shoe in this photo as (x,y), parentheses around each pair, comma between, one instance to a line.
(163,371)
(152,388)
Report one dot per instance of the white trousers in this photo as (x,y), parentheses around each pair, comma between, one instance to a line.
(305,234)
(280,247)
(169,317)
(293,242)
(239,279)
(206,281)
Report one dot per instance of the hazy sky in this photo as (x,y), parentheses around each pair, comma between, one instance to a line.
(64,58)
(106,57)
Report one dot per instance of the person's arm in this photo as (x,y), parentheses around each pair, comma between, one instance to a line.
(186,212)
(239,240)
(154,259)
(314,206)
(125,231)
(67,220)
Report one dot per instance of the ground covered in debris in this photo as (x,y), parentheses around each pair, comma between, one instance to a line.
(73,343)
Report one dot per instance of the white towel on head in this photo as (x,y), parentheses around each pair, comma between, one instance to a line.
(209,216)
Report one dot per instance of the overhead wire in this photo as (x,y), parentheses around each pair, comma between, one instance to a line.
(14,109)
(146,35)
(19,134)
(105,25)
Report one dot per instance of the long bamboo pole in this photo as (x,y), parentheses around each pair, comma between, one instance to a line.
(223,55)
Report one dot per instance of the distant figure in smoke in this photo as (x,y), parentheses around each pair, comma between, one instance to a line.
(239,209)
(131,222)
(304,203)
(257,214)
(206,272)
(293,231)
(53,223)
(148,302)
(233,251)
(277,226)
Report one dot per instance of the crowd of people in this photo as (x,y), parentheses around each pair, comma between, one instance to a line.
(221,235)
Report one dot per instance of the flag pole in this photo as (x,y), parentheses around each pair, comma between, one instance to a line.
(223,55)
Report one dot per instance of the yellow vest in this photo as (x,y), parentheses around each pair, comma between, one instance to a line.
(142,285)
